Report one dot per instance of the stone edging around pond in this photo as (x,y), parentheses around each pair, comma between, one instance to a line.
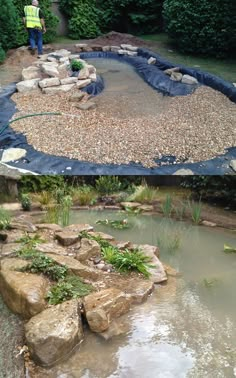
(52,331)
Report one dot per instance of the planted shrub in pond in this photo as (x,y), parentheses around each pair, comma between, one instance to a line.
(108,185)
(65,210)
(76,65)
(167,207)
(70,287)
(118,224)
(53,214)
(196,210)
(45,265)
(5,219)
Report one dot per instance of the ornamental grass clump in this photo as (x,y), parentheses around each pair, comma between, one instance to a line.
(144,194)
(5,219)
(70,287)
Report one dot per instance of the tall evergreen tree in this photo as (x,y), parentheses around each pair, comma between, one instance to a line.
(8,22)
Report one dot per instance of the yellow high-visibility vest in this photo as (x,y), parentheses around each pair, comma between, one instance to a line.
(32,17)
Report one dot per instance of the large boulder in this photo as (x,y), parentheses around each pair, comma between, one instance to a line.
(30,73)
(27,85)
(58,89)
(50,70)
(83,83)
(53,334)
(88,249)
(51,82)
(83,73)
(104,306)
(76,267)
(24,293)
(67,237)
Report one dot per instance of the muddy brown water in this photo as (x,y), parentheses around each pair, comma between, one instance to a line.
(187,328)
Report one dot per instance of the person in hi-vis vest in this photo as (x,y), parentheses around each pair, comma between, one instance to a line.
(34,22)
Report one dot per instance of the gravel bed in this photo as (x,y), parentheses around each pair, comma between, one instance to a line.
(193,128)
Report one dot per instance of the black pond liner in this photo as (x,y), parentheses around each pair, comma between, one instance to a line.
(42,163)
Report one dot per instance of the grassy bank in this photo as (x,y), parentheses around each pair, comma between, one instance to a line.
(225,68)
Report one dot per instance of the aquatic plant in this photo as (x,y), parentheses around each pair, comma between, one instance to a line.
(70,287)
(117,224)
(45,198)
(167,206)
(229,249)
(108,184)
(169,240)
(25,202)
(5,219)
(44,264)
(53,214)
(210,282)
(132,211)
(196,210)
(84,195)
(144,194)
(181,209)
(65,206)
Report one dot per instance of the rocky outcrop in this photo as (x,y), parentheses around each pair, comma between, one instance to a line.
(88,249)
(30,73)
(23,293)
(102,307)
(53,334)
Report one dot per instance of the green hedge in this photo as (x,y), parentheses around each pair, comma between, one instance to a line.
(8,22)
(207,27)
(82,16)
(2,54)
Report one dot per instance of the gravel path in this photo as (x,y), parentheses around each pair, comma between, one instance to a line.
(193,128)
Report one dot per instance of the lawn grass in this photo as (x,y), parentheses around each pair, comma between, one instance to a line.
(225,68)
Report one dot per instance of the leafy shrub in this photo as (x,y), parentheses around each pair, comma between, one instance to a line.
(5,219)
(2,54)
(83,18)
(205,27)
(76,65)
(45,265)
(108,184)
(51,21)
(70,287)
(84,195)
(144,194)
(39,183)
(8,22)
(25,201)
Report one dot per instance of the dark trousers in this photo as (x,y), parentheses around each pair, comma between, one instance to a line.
(36,38)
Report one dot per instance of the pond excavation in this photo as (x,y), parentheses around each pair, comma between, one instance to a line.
(141,114)
(185,327)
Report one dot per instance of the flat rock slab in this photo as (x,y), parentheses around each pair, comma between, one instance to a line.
(183,172)
(89,105)
(79,228)
(12,154)
(49,226)
(148,250)
(9,249)
(23,293)
(102,307)
(131,205)
(102,235)
(27,85)
(76,267)
(53,334)
(67,238)
(23,226)
(52,248)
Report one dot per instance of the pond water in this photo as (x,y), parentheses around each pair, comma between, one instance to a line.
(187,328)
(126,94)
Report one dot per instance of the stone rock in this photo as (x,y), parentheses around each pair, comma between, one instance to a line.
(74,56)
(13,206)
(88,248)
(51,58)
(152,60)
(62,53)
(106,48)
(96,48)
(157,272)
(52,82)
(30,73)
(104,306)
(83,83)
(93,77)
(100,266)
(76,97)
(67,238)
(48,226)
(14,235)
(63,71)
(54,333)
(50,70)
(169,71)
(89,105)
(91,69)
(146,207)
(69,80)
(183,172)
(176,76)
(23,226)
(79,228)
(83,73)
(115,48)
(116,328)
(43,57)
(9,249)
(12,154)
(76,267)
(123,245)
(132,205)
(129,47)
(87,49)
(64,60)
(52,248)
(122,52)
(102,235)
(23,293)
(132,53)
(208,224)
(187,79)
(81,45)
(60,88)
(232,165)
(234,84)
(171,271)
(148,250)
(27,85)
